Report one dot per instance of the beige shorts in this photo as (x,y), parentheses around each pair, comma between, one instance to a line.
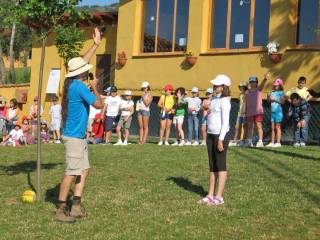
(126,124)
(77,160)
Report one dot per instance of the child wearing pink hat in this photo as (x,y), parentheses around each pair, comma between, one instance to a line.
(276,98)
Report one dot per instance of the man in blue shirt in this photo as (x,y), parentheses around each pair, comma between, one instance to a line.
(76,102)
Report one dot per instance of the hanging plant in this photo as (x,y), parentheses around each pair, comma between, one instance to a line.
(273,52)
(190,58)
(122,58)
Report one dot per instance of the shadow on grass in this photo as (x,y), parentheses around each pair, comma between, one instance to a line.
(187,185)
(290,154)
(25,167)
(52,195)
(291,182)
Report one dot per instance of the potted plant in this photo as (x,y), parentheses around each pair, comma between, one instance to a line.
(273,52)
(122,59)
(190,58)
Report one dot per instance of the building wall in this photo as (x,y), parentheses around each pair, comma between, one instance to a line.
(159,70)
(52,60)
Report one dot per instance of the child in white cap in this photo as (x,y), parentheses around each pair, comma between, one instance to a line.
(126,112)
(205,113)
(194,106)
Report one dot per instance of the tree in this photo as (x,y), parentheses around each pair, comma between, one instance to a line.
(44,16)
(69,41)
(2,67)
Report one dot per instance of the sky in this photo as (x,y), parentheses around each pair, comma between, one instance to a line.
(97,2)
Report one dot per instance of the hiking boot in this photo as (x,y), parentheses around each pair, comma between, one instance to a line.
(76,211)
(63,216)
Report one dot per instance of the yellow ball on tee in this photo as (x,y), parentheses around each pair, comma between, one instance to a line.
(29,196)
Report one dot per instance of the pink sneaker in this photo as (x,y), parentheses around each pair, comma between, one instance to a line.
(217,201)
(206,200)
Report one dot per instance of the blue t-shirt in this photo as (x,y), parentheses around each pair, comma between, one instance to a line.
(276,96)
(79,100)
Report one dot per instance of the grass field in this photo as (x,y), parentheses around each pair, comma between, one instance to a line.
(150,192)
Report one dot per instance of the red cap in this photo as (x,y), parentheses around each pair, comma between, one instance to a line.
(168,87)
(25,118)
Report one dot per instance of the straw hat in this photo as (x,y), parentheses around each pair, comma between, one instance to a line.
(76,66)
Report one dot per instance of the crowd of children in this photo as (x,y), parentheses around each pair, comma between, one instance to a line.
(175,105)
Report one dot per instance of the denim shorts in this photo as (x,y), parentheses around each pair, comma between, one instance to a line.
(241,120)
(164,116)
(276,117)
(143,113)
(204,121)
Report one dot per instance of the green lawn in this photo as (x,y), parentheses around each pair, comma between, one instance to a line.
(150,192)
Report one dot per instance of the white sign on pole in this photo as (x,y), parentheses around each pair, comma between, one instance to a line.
(54,80)
(238,38)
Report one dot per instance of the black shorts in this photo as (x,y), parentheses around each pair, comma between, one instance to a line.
(217,160)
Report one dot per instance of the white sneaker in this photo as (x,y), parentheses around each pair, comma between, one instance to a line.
(196,143)
(182,143)
(125,143)
(276,145)
(160,143)
(259,144)
(203,143)
(302,144)
(57,141)
(118,143)
(296,145)
(175,143)
(232,143)
(187,143)
(270,145)
(166,143)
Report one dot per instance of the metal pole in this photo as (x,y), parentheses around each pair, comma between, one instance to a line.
(43,49)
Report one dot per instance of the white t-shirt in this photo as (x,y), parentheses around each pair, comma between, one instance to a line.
(93,111)
(55,111)
(113,105)
(218,118)
(126,104)
(194,102)
(15,135)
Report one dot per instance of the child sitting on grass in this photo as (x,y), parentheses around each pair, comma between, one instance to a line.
(241,118)
(98,129)
(277,98)
(44,133)
(14,138)
(126,112)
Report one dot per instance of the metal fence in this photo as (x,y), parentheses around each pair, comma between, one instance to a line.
(287,125)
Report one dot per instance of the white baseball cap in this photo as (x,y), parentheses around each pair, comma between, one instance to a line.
(127,93)
(210,90)
(221,80)
(76,66)
(145,85)
(195,90)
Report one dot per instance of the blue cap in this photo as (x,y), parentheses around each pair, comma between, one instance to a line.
(210,90)
(253,79)
(108,90)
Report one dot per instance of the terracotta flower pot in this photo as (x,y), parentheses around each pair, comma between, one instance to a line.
(275,57)
(191,60)
(122,61)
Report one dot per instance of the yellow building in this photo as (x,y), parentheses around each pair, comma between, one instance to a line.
(226,36)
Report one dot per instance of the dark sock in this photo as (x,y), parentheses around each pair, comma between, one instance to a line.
(76,200)
(62,204)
